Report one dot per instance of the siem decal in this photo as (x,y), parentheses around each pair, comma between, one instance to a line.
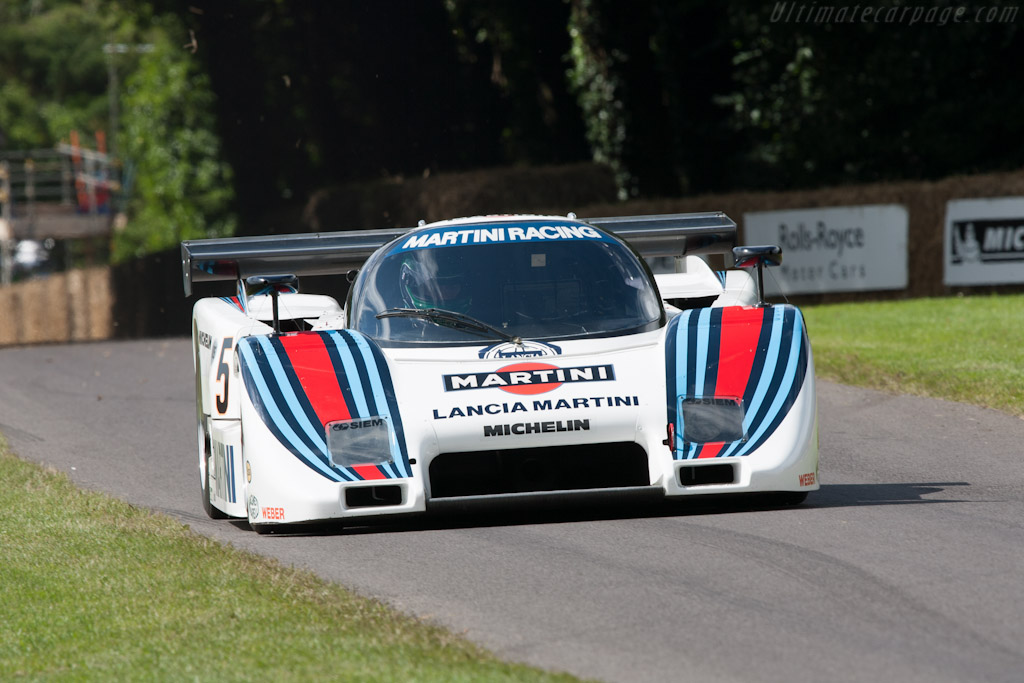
(527,349)
(528,378)
(545,404)
(537,427)
(254,508)
(356,424)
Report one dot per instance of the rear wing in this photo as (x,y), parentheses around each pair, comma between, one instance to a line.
(233,258)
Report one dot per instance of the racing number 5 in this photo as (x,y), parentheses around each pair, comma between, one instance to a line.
(223,371)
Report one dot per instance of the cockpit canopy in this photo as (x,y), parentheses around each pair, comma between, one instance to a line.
(533,279)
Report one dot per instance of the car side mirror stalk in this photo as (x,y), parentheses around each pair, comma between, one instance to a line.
(760,256)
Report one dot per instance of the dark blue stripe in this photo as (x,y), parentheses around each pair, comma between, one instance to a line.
(792,390)
(357,358)
(384,378)
(339,371)
(691,356)
(258,400)
(714,351)
(757,369)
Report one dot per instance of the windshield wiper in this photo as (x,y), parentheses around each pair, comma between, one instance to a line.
(440,316)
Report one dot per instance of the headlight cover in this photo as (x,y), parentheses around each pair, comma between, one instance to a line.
(712,419)
(363,441)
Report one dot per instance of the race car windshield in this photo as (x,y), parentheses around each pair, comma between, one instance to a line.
(554,286)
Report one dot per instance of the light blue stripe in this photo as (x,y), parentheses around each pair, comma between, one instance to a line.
(784,388)
(382,403)
(701,366)
(318,436)
(771,360)
(275,414)
(703,333)
(681,350)
(352,373)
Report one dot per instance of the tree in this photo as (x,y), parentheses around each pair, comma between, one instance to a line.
(52,73)
(182,187)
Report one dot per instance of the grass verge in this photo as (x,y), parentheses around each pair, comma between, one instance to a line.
(92,588)
(968,349)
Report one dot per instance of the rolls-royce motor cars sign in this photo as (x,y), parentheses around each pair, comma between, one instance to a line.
(984,241)
(833,249)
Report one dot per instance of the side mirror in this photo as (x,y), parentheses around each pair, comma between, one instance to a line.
(759,257)
(272,283)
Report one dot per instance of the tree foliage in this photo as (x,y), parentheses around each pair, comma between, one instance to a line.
(183,188)
(52,73)
(676,96)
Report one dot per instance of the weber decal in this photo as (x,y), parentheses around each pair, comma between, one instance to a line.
(273,513)
(484,409)
(537,427)
(528,378)
(527,349)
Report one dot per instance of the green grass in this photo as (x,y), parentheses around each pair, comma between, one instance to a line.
(968,349)
(92,588)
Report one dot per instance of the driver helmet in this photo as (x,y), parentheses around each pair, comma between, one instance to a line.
(426,283)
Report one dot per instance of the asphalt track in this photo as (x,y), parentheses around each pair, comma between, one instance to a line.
(908,565)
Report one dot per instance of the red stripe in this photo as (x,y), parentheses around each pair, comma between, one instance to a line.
(710,450)
(316,374)
(369,472)
(741,328)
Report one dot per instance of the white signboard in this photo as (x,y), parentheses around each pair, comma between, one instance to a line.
(984,241)
(834,249)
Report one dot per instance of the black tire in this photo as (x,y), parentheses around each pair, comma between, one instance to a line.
(789,498)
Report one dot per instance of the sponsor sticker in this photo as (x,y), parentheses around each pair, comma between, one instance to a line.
(528,378)
(998,240)
(808,479)
(484,409)
(455,235)
(273,513)
(547,427)
(254,508)
(527,349)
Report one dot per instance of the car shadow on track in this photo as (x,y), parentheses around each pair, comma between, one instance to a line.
(520,514)
(855,495)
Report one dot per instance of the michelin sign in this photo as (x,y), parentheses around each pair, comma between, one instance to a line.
(984,241)
(833,249)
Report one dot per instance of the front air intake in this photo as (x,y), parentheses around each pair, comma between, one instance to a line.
(706,475)
(373,496)
(529,470)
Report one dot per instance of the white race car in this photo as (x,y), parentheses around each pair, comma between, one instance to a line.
(491,359)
